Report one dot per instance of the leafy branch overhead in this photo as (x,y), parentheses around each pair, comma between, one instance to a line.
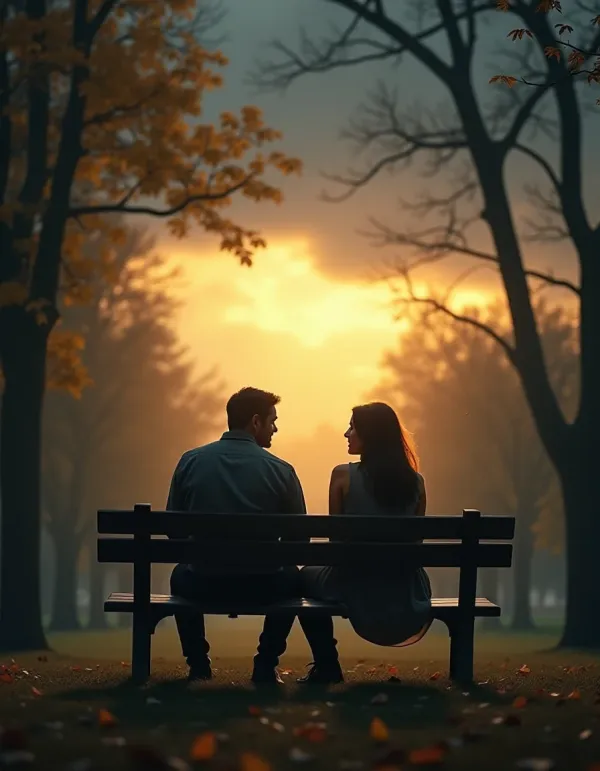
(569,59)
(102,113)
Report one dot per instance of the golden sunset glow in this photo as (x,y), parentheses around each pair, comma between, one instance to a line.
(284,326)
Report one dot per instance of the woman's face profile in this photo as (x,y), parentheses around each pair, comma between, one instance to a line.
(354,443)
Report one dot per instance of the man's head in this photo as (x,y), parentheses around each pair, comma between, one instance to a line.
(254,411)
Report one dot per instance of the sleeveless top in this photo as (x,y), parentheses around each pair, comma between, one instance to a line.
(390,608)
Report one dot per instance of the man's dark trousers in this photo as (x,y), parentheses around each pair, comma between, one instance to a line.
(262,589)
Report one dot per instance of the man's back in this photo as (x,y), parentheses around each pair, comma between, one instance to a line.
(235,476)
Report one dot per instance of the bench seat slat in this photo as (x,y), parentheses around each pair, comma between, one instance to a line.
(272,553)
(443,607)
(259,526)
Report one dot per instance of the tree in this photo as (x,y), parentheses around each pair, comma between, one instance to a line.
(472,141)
(580,59)
(119,441)
(100,114)
(474,429)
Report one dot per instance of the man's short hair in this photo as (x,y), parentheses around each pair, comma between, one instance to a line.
(246,403)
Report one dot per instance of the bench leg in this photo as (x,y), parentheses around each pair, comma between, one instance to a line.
(140,650)
(461,651)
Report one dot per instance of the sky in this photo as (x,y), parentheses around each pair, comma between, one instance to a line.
(308,321)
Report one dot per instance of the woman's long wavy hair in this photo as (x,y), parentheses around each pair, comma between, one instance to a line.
(388,461)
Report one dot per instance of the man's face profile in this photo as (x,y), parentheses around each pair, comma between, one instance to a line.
(264,429)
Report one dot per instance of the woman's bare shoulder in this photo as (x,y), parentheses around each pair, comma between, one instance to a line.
(340,471)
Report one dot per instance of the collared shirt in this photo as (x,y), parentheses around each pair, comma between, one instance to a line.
(235,476)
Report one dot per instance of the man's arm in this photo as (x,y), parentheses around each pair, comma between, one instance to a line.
(175,499)
(294,502)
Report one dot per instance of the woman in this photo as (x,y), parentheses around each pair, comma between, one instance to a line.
(386,606)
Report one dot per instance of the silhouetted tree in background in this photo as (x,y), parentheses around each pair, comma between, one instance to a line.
(474,429)
(472,137)
(119,442)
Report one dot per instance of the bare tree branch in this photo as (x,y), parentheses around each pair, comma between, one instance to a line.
(435,251)
(437,306)
(121,207)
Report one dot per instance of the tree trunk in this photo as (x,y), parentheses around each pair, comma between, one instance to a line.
(97,618)
(23,353)
(522,619)
(64,603)
(582,527)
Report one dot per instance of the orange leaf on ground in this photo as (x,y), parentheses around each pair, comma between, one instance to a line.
(378,731)
(524,670)
(5,677)
(106,719)
(204,747)
(35,691)
(435,676)
(427,756)
(575,694)
(249,761)
(254,710)
(519,702)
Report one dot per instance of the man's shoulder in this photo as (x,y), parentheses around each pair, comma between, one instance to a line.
(276,461)
(204,449)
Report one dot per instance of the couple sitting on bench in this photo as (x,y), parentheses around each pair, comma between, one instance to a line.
(236,474)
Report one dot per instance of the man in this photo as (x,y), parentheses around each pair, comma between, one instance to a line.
(237,475)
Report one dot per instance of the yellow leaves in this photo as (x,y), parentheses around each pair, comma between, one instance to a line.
(545,6)
(65,371)
(249,761)
(508,80)
(552,53)
(518,34)
(575,59)
(378,731)
(204,747)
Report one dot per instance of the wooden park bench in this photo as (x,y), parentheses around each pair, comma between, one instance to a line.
(270,540)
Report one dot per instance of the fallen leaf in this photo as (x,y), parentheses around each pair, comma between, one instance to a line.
(6,677)
(204,746)
(254,710)
(106,719)
(427,756)
(535,764)
(378,731)
(36,692)
(249,761)
(524,670)
(575,694)
(585,734)
(380,698)
(519,702)
(393,670)
(299,756)
(435,676)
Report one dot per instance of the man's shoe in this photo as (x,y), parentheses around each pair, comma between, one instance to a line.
(266,676)
(323,674)
(199,672)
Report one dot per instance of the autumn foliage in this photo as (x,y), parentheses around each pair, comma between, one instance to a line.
(102,109)
(570,59)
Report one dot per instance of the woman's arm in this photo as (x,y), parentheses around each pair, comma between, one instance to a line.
(422,504)
(338,486)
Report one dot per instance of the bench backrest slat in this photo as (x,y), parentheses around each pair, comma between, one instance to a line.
(265,526)
(219,553)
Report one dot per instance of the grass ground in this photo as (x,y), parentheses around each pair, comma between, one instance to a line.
(530,704)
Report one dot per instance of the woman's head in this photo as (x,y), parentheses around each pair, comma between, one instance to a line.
(386,456)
